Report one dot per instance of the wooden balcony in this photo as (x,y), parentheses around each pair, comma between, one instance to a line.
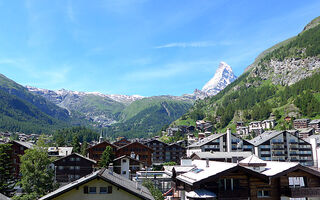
(236,194)
(301,192)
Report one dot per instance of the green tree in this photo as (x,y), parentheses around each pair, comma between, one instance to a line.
(156,193)
(6,177)
(37,176)
(60,141)
(84,147)
(76,144)
(106,158)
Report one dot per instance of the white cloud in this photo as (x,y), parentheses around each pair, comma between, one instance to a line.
(193,44)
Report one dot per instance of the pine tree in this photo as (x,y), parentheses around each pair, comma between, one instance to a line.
(76,144)
(106,158)
(6,177)
(84,147)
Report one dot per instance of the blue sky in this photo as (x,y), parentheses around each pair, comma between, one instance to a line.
(145,47)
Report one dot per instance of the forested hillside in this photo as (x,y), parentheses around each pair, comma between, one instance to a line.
(285,81)
(147,116)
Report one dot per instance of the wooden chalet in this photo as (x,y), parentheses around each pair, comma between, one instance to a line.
(138,151)
(96,151)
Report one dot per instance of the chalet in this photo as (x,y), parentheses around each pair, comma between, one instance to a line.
(18,150)
(100,185)
(300,123)
(282,146)
(221,142)
(233,157)
(73,167)
(174,152)
(127,166)
(95,152)
(121,142)
(315,124)
(59,151)
(202,125)
(251,178)
(158,147)
(255,124)
(140,151)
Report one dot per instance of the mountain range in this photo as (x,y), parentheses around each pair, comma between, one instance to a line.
(119,114)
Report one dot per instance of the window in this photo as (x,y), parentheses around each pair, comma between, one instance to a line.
(92,190)
(71,159)
(263,193)
(296,182)
(124,172)
(77,176)
(21,148)
(103,190)
(61,167)
(77,167)
(78,159)
(124,160)
(71,167)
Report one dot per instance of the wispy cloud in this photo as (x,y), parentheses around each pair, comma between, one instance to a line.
(192,44)
(167,71)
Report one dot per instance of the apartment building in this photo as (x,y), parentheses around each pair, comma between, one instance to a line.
(282,146)
(158,147)
(174,152)
(95,152)
(141,152)
(300,123)
(315,124)
(221,142)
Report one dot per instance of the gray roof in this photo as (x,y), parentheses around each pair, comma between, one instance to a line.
(217,155)
(2,197)
(264,137)
(206,140)
(315,121)
(108,176)
(25,144)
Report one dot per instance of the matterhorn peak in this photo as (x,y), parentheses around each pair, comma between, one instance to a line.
(223,77)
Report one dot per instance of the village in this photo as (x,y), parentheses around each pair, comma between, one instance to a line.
(181,169)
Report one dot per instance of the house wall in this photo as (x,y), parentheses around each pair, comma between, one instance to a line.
(77,194)
(144,153)
(96,151)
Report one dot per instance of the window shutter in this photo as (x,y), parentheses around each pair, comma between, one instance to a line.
(85,189)
(110,189)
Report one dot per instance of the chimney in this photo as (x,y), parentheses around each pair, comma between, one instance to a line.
(110,168)
(228,140)
(207,162)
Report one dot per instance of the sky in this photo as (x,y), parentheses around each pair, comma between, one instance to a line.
(144,47)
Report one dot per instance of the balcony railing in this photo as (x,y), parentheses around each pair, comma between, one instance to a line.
(240,193)
(301,192)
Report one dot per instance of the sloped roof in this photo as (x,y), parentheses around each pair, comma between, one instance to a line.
(315,121)
(25,144)
(206,140)
(108,176)
(200,193)
(93,161)
(253,159)
(264,137)
(2,197)
(125,156)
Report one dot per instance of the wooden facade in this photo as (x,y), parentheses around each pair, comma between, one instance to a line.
(18,150)
(96,151)
(72,167)
(243,183)
(122,142)
(141,152)
(158,147)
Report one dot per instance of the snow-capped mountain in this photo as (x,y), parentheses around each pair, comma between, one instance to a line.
(223,77)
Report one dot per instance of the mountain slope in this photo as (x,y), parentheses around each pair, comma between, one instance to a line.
(147,116)
(283,80)
(30,114)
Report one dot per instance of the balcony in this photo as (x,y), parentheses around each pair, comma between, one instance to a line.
(301,192)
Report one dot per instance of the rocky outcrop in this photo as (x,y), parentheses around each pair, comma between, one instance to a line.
(288,71)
